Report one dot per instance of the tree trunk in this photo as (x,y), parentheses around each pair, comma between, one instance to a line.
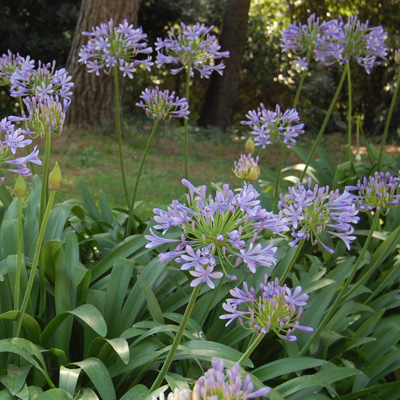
(220,97)
(93,98)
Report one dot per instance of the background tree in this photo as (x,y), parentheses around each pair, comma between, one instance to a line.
(93,102)
(220,97)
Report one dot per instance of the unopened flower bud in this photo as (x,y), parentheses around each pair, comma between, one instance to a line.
(250,145)
(246,168)
(20,187)
(55,178)
(358,157)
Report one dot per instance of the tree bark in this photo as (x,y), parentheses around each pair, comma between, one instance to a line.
(93,98)
(219,102)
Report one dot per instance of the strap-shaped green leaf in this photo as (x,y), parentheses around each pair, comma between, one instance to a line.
(100,377)
(88,313)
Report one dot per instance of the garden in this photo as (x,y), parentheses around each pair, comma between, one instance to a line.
(247,281)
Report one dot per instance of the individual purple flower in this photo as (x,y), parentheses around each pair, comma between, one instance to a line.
(191,48)
(247,168)
(220,383)
(216,232)
(161,104)
(267,125)
(316,210)
(376,192)
(122,46)
(11,141)
(46,114)
(45,80)
(273,308)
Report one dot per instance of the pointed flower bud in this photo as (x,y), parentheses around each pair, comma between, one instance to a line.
(20,187)
(55,178)
(250,146)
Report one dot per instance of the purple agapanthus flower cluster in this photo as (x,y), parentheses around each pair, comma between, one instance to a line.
(11,140)
(46,114)
(267,125)
(9,63)
(299,39)
(376,192)
(219,383)
(316,211)
(192,47)
(161,104)
(247,168)
(45,80)
(275,308)
(336,41)
(120,46)
(220,230)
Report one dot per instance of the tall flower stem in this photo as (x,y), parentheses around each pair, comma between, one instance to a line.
(365,273)
(45,177)
(19,256)
(186,125)
(34,262)
(119,133)
(251,348)
(211,302)
(284,146)
(388,119)
(292,261)
(344,288)
(178,337)
(325,122)
(146,150)
(349,113)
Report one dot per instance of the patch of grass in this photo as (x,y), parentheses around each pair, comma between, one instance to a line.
(93,157)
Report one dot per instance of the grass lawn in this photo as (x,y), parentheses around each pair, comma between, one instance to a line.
(93,157)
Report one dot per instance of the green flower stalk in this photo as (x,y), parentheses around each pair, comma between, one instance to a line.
(159,105)
(55,182)
(20,193)
(116,48)
(174,347)
(190,48)
(325,122)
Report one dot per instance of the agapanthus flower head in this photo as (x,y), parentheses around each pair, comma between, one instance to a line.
(272,308)
(177,394)
(376,192)
(268,126)
(247,168)
(46,114)
(9,63)
(161,104)
(11,140)
(219,383)
(299,39)
(217,232)
(191,48)
(316,210)
(122,46)
(341,41)
(45,80)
